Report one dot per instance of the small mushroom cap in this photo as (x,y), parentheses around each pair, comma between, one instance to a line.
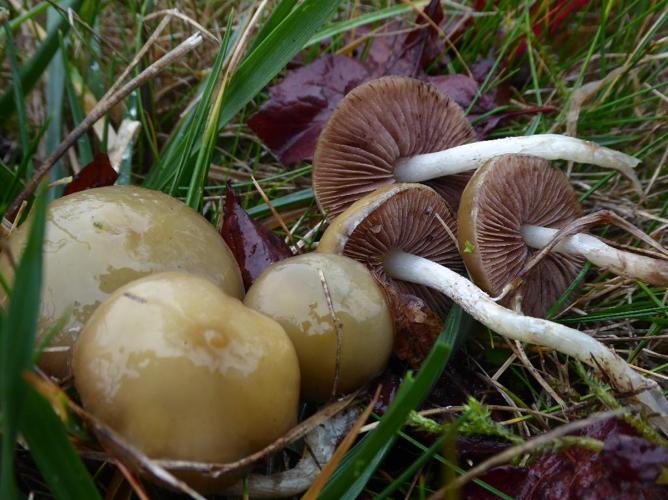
(100,239)
(397,217)
(183,371)
(505,193)
(377,124)
(293,293)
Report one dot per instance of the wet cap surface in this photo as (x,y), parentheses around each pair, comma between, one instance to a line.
(375,125)
(401,216)
(505,193)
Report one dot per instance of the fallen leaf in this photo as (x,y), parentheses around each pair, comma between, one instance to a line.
(254,246)
(627,467)
(291,121)
(410,53)
(98,173)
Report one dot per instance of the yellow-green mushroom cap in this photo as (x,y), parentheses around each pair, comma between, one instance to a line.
(292,292)
(183,371)
(101,239)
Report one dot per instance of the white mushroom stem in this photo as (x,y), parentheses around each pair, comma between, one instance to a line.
(653,271)
(510,324)
(320,445)
(549,146)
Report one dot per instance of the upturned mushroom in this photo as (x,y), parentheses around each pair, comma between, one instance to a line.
(397,129)
(381,244)
(100,239)
(515,204)
(185,372)
(336,316)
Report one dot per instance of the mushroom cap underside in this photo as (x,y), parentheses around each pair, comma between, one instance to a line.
(505,193)
(408,217)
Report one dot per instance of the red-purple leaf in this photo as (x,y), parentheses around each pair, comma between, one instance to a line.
(98,173)
(290,122)
(628,467)
(410,53)
(253,245)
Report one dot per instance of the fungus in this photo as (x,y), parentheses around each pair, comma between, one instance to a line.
(514,204)
(182,371)
(336,316)
(351,235)
(100,239)
(398,129)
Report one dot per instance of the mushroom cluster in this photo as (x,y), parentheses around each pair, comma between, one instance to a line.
(101,239)
(167,362)
(395,130)
(163,351)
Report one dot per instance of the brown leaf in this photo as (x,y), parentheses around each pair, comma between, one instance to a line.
(254,246)
(98,173)
(416,326)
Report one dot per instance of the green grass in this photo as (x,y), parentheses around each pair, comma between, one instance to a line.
(190,151)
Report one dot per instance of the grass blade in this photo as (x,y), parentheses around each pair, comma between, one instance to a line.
(52,451)
(358,466)
(279,13)
(55,89)
(17,339)
(194,174)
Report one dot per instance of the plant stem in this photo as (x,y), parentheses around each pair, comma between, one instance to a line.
(510,324)
(549,146)
(653,271)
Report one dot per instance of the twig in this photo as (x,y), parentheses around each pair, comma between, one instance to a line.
(339,331)
(522,355)
(274,212)
(100,110)
(178,14)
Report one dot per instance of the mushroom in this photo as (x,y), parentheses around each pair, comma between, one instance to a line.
(398,129)
(382,244)
(183,371)
(336,316)
(100,239)
(500,224)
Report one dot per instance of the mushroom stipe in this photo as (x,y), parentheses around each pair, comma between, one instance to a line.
(414,268)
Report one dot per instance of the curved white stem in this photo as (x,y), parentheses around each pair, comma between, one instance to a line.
(320,446)
(653,271)
(516,326)
(549,146)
